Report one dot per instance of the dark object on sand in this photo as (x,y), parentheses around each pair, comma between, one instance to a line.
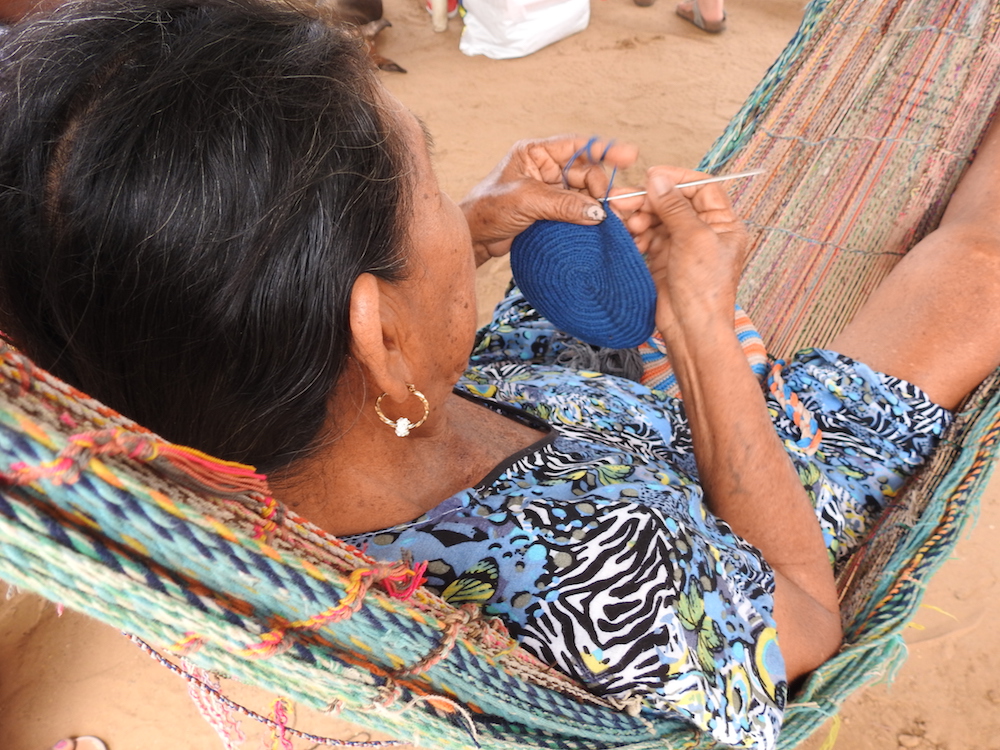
(367,16)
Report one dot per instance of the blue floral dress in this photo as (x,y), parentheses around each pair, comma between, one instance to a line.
(594,544)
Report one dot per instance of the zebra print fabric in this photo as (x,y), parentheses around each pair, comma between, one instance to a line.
(594,544)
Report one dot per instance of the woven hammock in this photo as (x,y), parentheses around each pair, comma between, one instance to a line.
(864,125)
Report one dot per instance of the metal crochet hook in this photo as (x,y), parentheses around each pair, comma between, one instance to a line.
(695,183)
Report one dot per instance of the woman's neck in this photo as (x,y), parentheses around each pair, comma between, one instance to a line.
(369,479)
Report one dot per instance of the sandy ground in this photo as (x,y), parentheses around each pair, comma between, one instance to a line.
(639,74)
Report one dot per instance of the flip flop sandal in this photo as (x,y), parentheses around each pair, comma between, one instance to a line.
(693,15)
(86,742)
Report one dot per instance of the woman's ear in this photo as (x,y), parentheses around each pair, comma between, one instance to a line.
(375,337)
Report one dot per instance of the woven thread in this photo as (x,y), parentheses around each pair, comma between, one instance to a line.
(589,281)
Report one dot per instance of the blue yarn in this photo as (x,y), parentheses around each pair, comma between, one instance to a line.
(589,281)
(585,149)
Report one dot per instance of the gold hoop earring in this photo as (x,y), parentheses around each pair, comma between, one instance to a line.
(402,426)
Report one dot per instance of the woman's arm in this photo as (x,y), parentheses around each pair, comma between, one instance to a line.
(695,249)
(528,186)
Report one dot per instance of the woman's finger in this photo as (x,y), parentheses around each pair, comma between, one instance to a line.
(608,151)
(538,201)
(508,213)
(708,245)
(673,209)
(640,222)
(552,157)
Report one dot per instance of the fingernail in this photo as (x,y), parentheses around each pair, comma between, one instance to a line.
(64,745)
(659,183)
(594,212)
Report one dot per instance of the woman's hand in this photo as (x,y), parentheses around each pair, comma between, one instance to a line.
(528,186)
(695,248)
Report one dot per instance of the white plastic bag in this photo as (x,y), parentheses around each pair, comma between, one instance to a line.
(503,29)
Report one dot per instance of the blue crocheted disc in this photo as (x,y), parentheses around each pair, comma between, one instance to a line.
(590,282)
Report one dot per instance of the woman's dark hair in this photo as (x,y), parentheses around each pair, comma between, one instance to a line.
(188,191)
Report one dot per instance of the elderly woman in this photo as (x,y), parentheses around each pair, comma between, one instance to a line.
(215,219)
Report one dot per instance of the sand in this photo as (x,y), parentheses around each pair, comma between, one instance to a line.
(638,74)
